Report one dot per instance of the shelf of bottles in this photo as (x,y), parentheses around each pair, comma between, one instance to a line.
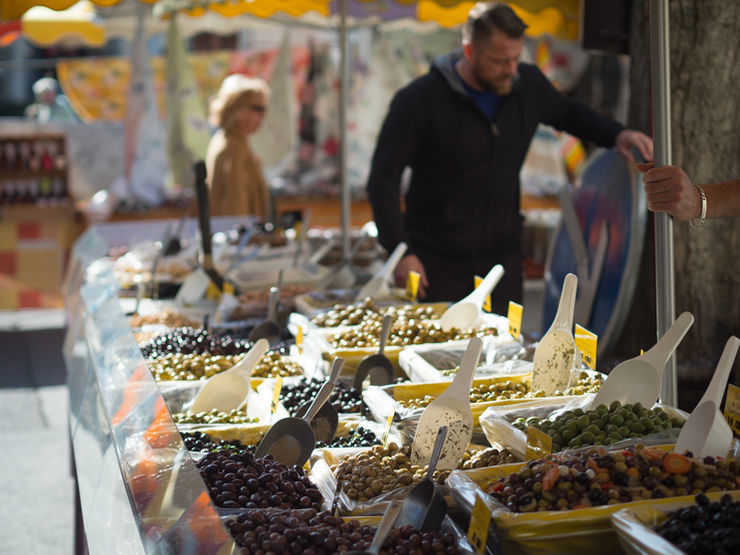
(33,170)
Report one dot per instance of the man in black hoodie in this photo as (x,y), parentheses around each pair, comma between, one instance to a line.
(464,129)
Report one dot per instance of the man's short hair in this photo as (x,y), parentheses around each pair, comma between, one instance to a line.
(486,17)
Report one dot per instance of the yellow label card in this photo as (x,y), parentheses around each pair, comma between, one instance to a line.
(412,285)
(299,339)
(586,343)
(487,302)
(276,394)
(539,443)
(480,521)
(387,431)
(515,319)
(213,293)
(228,288)
(732,408)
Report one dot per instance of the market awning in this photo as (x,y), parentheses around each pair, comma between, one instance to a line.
(559,18)
(44,27)
(13,9)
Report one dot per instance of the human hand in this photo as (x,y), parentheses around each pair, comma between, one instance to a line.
(410,263)
(670,190)
(629,138)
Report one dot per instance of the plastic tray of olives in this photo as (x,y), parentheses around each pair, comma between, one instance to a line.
(407,400)
(263,531)
(574,425)
(319,302)
(502,355)
(563,503)
(682,526)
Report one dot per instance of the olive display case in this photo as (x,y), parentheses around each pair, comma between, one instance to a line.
(139,490)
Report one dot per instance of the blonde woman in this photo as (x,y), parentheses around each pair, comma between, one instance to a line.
(235,180)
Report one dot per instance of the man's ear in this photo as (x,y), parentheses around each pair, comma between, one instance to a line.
(467,49)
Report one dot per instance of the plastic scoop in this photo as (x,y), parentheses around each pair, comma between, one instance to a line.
(227,390)
(378,284)
(466,312)
(451,409)
(639,379)
(378,367)
(324,423)
(421,506)
(706,433)
(556,351)
(291,440)
(386,525)
(268,329)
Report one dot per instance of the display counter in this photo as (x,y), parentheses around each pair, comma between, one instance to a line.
(139,489)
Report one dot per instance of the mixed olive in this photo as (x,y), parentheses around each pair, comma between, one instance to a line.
(573,480)
(214,416)
(705,527)
(164,317)
(410,332)
(383,469)
(602,425)
(190,367)
(191,340)
(200,441)
(360,437)
(366,311)
(311,532)
(344,398)
(236,480)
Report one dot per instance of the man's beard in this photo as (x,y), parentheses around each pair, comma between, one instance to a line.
(501,87)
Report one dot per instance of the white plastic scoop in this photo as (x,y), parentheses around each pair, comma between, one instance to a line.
(378,284)
(466,312)
(706,433)
(451,409)
(639,379)
(556,351)
(227,390)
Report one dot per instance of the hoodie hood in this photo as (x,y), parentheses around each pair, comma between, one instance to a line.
(444,65)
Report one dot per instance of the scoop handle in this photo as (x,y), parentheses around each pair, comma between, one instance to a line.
(272,304)
(249,361)
(385,328)
(326,390)
(488,284)
(460,386)
(386,525)
(658,355)
(564,316)
(438,444)
(716,388)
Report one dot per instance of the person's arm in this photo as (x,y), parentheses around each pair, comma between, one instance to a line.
(574,117)
(670,190)
(394,151)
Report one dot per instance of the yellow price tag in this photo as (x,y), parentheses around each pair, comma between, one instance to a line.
(228,288)
(412,285)
(213,293)
(387,431)
(297,228)
(586,343)
(539,444)
(732,408)
(515,319)
(487,303)
(480,521)
(276,395)
(299,339)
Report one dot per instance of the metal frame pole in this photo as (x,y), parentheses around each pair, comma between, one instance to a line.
(661,109)
(343,97)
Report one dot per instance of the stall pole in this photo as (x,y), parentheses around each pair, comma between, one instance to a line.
(661,110)
(343,97)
